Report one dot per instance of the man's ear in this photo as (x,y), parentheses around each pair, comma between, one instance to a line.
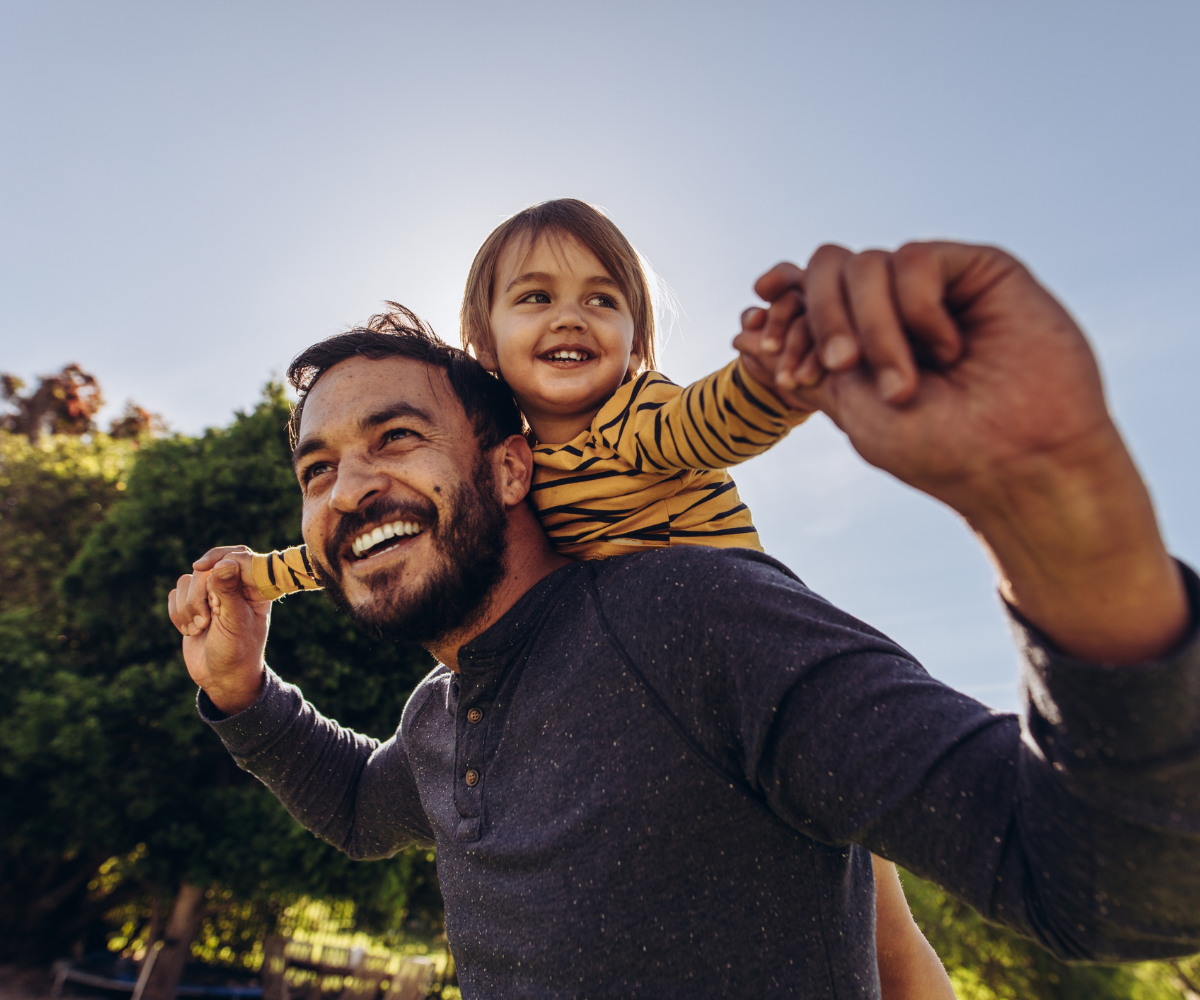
(515,469)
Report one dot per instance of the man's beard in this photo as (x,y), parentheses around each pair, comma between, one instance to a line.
(469,542)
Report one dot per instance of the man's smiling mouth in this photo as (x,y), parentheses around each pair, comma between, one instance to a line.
(386,536)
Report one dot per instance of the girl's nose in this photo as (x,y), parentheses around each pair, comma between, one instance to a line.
(568,317)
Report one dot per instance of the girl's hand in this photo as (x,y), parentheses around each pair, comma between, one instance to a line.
(196,604)
(775,342)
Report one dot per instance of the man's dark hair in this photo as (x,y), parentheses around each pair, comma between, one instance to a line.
(401,333)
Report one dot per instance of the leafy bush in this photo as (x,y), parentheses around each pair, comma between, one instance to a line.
(103,752)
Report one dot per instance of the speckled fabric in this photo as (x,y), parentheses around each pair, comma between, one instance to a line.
(653,775)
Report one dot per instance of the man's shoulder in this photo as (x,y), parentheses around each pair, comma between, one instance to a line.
(694,568)
(740,600)
(692,587)
(428,694)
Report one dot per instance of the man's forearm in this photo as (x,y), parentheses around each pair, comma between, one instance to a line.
(1080,555)
(328,778)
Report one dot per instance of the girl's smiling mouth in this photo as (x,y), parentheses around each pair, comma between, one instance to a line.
(566,357)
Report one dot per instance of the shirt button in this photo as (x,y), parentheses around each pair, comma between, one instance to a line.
(471,777)
(474,715)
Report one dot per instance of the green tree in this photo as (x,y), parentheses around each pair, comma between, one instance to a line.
(103,753)
(53,492)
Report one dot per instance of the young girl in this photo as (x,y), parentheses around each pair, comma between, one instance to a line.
(558,304)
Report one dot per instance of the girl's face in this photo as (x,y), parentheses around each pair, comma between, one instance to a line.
(563,333)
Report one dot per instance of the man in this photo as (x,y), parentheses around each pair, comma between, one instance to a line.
(659,774)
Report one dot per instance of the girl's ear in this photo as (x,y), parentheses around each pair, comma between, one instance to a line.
(485,356)
(635,361)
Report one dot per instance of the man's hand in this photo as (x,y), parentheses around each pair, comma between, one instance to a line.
(952,368)
(239,554)
(224,654)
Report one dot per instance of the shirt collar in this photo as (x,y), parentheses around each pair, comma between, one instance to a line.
(515,626)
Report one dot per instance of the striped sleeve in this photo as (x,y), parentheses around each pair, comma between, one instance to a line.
(714,423)
(286,572)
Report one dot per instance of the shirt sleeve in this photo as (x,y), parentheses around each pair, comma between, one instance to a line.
(1077,825)
(279,573)
(714,423)
(348,789)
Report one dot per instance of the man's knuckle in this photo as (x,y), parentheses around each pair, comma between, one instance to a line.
(915,250)
(827,253)
(828,318)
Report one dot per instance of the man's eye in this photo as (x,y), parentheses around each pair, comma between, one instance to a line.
(535,298)
(397,434)
(603,301)
(316,469)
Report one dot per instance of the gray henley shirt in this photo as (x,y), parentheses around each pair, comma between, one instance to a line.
(659,775)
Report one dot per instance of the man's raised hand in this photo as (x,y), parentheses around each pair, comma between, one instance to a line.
(949,366)
(223,648)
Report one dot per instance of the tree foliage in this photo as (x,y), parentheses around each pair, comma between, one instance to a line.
(63,403)
(103,752)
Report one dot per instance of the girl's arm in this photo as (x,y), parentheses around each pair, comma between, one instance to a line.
(909,969)
(265,576)
(714,423)
(278,573)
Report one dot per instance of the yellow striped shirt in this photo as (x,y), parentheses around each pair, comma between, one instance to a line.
(648,472)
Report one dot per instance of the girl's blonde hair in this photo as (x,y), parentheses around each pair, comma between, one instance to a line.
(561,217)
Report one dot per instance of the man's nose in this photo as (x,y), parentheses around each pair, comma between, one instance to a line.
(358,481)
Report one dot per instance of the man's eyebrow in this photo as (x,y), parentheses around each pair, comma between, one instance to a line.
(305,448)
(391,413)
(310,445)
(542,276)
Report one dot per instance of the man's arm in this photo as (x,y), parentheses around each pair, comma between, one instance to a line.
(1080,829)
(952,368)
(346,788)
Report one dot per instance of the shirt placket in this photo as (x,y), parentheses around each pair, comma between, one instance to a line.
(478,685)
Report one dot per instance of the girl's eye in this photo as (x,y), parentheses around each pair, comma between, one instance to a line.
(535,298)
(604,301)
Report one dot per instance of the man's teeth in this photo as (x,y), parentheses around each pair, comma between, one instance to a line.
(370,539)
(568,356)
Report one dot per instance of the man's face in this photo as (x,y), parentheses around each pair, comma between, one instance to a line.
(400,507)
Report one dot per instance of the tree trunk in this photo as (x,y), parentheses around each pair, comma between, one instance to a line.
(182,924)
(153,931)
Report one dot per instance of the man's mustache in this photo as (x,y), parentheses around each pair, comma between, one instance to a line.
(353,524)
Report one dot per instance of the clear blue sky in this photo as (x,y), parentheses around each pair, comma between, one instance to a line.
(191,193)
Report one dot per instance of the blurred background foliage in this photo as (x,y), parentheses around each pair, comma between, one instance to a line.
(103,760)
(987,962)
(113,794)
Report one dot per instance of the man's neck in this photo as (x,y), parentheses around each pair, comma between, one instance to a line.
(529,558)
